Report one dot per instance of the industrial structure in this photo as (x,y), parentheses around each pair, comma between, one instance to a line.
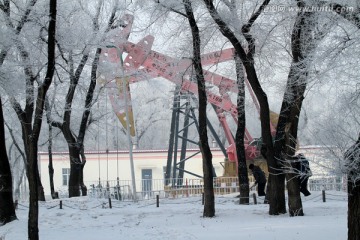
(142,63)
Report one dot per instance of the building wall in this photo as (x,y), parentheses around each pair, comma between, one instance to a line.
(112,165)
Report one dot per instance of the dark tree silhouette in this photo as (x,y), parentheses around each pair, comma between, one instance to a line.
(7,210)
(352,162)
(209,206)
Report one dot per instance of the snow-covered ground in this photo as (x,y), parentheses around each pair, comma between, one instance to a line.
(181,218)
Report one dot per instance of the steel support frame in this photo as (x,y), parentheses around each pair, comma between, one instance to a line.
(175,169)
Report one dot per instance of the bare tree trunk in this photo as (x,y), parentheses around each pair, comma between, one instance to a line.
(209,206)
(293,187)
(51,168)
(48,108)
(240,134)
(41,194)
(82,184)
(7,210)
(352,158)
(33,136)
(17,187)
(286,134)
(75,167)
(353,210)
(33,229)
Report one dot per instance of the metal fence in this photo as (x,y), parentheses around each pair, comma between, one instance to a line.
(173,188)
(146,189)
(329,183)
(176,188)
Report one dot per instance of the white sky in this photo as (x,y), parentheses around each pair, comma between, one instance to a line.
(180,218)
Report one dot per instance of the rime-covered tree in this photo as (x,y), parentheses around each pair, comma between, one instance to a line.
(73,75)
(209,205)
(276,198)
(30,116)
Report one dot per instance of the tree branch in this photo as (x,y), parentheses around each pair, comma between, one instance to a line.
(74,80)
(171,9)
(85,122)
(18,28)
(225,30)
(351,16)
(15,142)
(19,112)
(246,29)
(49,71)
(89,98)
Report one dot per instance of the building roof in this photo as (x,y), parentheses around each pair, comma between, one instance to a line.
(126,151)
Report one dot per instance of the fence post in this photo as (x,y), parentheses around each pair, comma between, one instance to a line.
(110,205)
(107,188)
(254,197)
(323,196)
(60,204)
(157,200)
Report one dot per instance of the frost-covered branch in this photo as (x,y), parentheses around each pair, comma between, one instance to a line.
(247,27)
(170,8)
(19,111)
(15,142)
(6,9)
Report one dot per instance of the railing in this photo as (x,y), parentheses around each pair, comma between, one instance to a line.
(148,189)
(121,190)
(329,183)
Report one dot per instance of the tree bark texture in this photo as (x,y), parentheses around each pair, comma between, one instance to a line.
(33,136)
(209,205)
(7,209)
(75,170)
(302,41)
(47,107)
(240,134)
(352,158)
(51,167)
(33,229)
(293,187)
(354,211)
